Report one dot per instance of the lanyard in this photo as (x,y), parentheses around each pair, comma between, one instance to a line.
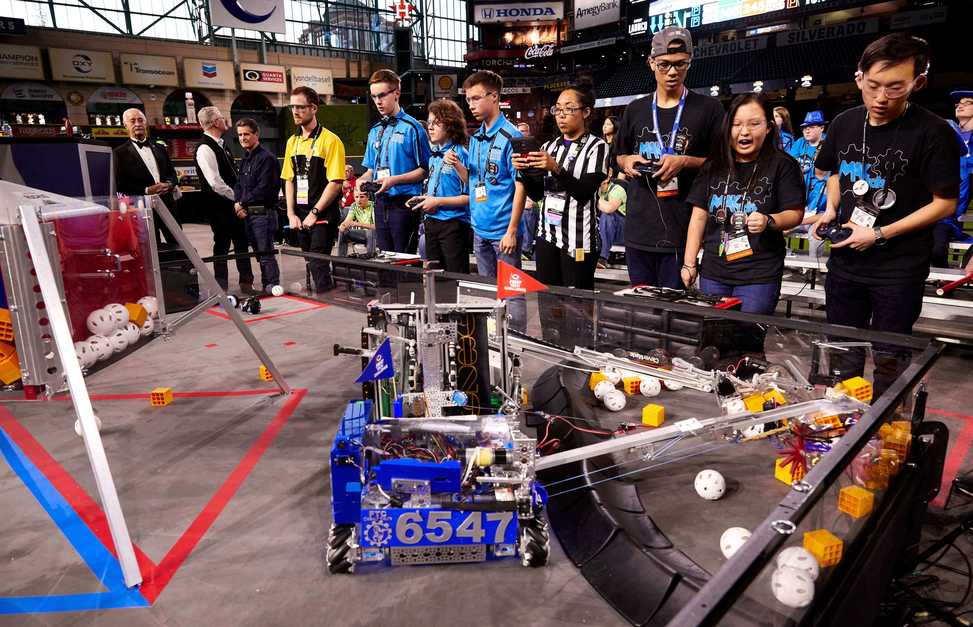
(310,155)
(479,174)
(384,147)
(895,136)
(743,201)
(438,172)
(670,149)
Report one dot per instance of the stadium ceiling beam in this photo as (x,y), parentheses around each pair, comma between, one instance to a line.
(106,20)
(161,17)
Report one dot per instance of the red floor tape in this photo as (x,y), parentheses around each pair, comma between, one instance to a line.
(957,452)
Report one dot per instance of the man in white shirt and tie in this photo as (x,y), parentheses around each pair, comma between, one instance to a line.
(142,167)
(217,176)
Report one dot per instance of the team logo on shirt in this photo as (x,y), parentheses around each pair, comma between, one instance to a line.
(649,142)
(733,202)
(879,170)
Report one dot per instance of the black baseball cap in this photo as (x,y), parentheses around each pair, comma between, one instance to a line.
(672,40)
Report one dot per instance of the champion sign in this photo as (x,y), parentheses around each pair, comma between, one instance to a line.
(523,12)
(588,13)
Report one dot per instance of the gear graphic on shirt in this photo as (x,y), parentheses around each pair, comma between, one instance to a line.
(882,169)
(756,197)
(377,528)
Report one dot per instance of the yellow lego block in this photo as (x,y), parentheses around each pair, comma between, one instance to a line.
(832,422)
(653,415)
(824,546)
(631,385)
(880,471)
(898,441)
(265,374)
(884,431)
(892,460)
(784,473)
(595,379)
(9,364)
(160,397)
(902,425)
(856,501)
(776,397)
(859,388)
(136,314)
(6,326)
(754,402)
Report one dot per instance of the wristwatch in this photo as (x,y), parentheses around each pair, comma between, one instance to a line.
(879,238)
(314,211)
(770,221)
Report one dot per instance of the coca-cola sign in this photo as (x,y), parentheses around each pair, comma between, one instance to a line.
(538,51)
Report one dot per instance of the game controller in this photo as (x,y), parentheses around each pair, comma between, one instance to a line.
(649,169)
(833,232)
(371,187)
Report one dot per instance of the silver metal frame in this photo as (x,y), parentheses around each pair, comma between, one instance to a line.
(64,344)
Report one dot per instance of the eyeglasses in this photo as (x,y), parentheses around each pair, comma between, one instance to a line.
(752,124)
(473,100)
(558,111)
(964,103)
(383,95)
(438,123)
(665,66)
(892,92)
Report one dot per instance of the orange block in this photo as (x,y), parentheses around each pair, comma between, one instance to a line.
(136,313)
(160,397)
(856,501)
(6,326)
(824,546)
(783,473)
(265,374)
(9,363)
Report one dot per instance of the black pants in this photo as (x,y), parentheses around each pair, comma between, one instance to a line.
(227,229)
(447,241)
(892,308)
(556,267)
(396,226)
(564,321)
(318,239)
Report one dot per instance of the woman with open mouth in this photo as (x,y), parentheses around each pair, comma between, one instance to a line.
(746,195)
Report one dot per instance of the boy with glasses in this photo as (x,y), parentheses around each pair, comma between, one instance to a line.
(496,199)
(662,141)
(894,173)
(396,156)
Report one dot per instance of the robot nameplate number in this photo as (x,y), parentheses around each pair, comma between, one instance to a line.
(424,527)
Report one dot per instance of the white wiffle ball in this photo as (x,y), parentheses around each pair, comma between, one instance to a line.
(650,386)
(101,346)
(710,484)
(732,539)
(100,322)
(119,313)
(151,305)
(602,388)
(147,327)
(614,400)
(800,558)
(793,587)
(86,354)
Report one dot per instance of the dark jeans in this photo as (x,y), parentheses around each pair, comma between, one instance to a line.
(655,269)
(528,228)
(487,253)
(229,229)
(557,267)
(396,226)
(893,308)
(318,239)
(758,298)
(447,242)
(612,227)
(260,232)
(358,236)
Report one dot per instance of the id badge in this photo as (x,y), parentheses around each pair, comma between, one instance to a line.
(666,190)
(302,190)
(382,174)
(480,193)
(554,210)
(863,216)
(738,247)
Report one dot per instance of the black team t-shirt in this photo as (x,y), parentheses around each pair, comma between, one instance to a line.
(659,224)
(914,155)
(769,186)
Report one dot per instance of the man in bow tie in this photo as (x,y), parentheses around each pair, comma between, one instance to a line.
(397,156)
(217,176)
(142,167)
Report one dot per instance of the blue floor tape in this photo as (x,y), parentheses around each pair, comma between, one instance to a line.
(101,562)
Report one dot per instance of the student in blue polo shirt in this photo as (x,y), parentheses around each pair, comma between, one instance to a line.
(396,155)
(949,229)
(446,205)
(496,199)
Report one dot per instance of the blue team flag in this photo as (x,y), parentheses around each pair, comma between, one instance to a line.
(380,366)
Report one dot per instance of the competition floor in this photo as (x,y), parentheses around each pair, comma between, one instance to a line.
(226,494)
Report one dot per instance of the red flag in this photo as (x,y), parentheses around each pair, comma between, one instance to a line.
(513,281)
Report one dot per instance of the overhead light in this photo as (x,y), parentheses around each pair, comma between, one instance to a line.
(806,80)
(758,86)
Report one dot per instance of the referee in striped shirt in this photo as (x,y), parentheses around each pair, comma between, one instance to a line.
(567,242)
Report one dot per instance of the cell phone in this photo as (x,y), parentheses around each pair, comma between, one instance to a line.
(523,145)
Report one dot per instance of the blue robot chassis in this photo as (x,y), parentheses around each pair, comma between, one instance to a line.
(422,472)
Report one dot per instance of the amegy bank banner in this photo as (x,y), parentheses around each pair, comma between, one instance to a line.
(588,13)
